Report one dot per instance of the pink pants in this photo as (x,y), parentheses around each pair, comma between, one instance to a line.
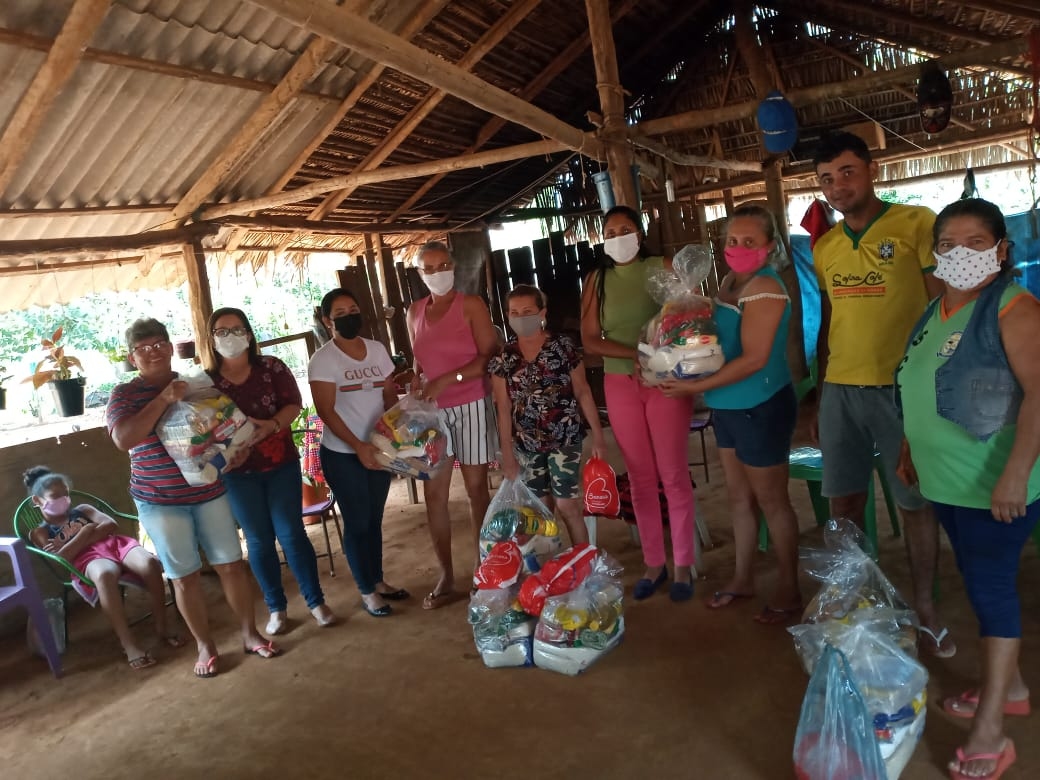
(652,432)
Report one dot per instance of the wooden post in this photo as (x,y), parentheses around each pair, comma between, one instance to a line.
(612,102)
(200,299)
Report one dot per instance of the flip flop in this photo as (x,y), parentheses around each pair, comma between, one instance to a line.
(723,598)
(395,595)
(935,647)
(206,668)
(264,650)
(1004,759)
(772,616)
(1011,707)
(438,600)
(142,662)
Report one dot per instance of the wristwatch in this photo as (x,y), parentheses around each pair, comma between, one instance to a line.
(458,377)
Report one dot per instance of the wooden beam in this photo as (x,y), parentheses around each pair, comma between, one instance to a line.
(532,90)
(1013,165)
(79,27)
(679,158)
(904,18)
(612,103)
(73,246)
(693,120)
(488,41)
(200,299)
(306,67)
(273,224)
(46,268)
(392,173)
(42,43)
(1025,9)
(369,39)
(86,211)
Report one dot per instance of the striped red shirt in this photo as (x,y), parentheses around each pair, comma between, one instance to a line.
(154,477)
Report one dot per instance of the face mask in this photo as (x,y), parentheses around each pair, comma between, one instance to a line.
(742,259)
(231,346)
(527,325)
(348,326)
(965,269)
(56,507)
(622,249)
(441,282)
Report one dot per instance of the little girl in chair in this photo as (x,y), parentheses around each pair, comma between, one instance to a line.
(90,540)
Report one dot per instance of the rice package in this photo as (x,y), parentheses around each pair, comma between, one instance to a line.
(681,341)
(411,438)
(202,432)
(578,627)
(502,632)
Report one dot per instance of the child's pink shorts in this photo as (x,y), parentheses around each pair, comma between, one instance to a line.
(111,548)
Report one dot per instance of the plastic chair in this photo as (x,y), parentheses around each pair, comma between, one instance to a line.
(699,425)
(26,593)
(806,463)
(27,517)
(323,510)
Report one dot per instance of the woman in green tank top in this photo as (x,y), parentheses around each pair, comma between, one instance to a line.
(651,430)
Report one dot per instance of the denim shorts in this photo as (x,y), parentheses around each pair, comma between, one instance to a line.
(762,434)
(177,530)
(855,422)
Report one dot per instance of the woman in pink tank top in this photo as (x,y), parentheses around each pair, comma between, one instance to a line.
(452,340)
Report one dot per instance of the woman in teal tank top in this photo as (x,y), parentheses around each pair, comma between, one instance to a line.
(755,410)
(651,430)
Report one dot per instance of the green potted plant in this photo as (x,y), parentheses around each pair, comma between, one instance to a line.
(56,369)
(4,376)
(117,355)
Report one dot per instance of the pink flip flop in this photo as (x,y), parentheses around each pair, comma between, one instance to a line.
(1011,707)
(1004,759)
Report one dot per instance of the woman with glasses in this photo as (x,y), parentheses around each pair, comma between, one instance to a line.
(179,517)
(266,490)
(452,340)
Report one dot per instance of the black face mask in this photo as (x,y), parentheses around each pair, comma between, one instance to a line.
(348,326)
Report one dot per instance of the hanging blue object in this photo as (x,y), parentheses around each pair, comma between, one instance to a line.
(778,123)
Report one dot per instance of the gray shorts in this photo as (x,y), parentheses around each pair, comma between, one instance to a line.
(856,422)
(472,432)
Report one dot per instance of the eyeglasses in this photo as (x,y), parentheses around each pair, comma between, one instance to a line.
(238,330)
(151,349)
(442,267)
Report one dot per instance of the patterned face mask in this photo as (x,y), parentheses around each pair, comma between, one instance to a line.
(965,269)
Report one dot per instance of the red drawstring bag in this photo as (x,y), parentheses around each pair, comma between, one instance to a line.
(601,490)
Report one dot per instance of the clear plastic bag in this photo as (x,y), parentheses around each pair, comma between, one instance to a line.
(577,627)
(681,340)
(203,431)
(835,738)
(502,632)
(855,590)
(411,438)
(517,514)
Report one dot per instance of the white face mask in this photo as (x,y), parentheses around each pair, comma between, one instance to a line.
(441,282)
(622,249)
(965,269)
(231,346)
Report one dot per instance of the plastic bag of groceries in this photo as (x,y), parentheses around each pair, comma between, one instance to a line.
(502,632)
(516,514)
(411,438)
(854,589)
(562,574)
(681,340)
(835,737)
(577,627)
(203,431)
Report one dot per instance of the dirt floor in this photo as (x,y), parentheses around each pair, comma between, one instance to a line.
(690,692)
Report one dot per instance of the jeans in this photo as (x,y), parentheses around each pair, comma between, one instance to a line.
(653,433)
(267,506)
(988,553)
(361,494)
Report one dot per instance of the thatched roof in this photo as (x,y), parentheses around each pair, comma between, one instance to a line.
(124,116)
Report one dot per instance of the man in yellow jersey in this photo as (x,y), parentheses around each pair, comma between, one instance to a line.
(874,269)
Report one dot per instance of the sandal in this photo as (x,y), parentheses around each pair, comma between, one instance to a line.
(142,662)
(774,616)
(395,595)
(206,668)
(958,705)
(723,598)
(1004,759)
(437,600)
(265,650)
(935,646)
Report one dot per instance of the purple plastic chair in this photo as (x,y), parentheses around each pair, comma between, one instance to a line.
(25,593)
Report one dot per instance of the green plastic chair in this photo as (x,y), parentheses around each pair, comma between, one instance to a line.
(27,518)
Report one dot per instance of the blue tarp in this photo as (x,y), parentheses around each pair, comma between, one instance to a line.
(1023,230)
